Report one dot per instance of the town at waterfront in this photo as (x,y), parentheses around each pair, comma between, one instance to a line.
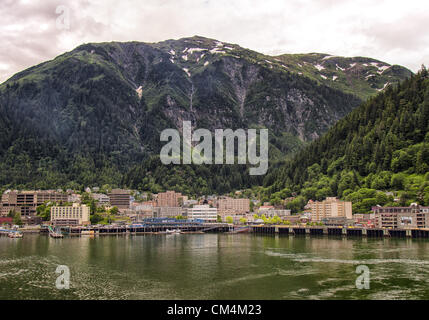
(114,211)
(101,243)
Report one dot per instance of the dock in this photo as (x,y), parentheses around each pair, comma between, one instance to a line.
(199,228)
(148,228)
(340,231)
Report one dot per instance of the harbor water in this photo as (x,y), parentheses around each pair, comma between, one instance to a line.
(213,266)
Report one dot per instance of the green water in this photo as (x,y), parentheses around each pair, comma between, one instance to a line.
(213,266)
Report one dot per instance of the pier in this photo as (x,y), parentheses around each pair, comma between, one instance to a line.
(187,227)
(339,231)
(146,228)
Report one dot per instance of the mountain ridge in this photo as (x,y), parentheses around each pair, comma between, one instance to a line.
(102,106)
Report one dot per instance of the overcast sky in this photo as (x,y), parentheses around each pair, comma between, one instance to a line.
(394,31)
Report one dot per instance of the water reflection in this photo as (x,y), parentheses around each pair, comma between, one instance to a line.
(213,266)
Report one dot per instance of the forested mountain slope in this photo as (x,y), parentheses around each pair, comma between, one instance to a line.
(382,145)
(94,114)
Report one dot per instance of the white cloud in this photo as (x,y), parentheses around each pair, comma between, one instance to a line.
(389,30)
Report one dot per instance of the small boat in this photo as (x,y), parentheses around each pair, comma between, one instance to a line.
(87,233)
(174,231)
(56,235)
(15,235)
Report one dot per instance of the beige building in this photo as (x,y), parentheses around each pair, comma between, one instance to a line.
(414,216)
(230,206)
(331,207)
(167,212)
(75,215)
(270,213)
(169,199)
(26,202)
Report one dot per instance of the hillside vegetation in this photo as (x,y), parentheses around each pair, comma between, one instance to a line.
(93,116)
(380,146)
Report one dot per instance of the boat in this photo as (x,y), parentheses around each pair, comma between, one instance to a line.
(54,234)
(87,233)
(15,235)
(174,231)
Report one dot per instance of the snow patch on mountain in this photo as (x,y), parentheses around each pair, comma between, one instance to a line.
(192,50)
(187,71)
(319,67)
(328,57)
(382,69)
(339,68)
(139,91)
(384,87)
(216,50)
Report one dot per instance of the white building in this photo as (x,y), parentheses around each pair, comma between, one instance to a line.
(203,212)
(74,198)
(271,212)
(70,216)
(103,200)
(167,212)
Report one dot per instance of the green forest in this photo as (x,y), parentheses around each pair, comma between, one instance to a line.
(378,154)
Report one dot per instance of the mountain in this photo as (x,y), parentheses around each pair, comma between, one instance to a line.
(363,77)
(93,114)
(381,146)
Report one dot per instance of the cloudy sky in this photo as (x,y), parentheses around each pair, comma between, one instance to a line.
(394,31)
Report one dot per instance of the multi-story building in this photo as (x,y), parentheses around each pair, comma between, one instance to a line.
(26,202)
(142,210)
(414,216)
(366,220)
(75,215)
(331,207)
(74,197)
(120,198)
(169,199)
(101,198)
(270,213)
(203,212)
(229,206)
(167,212)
